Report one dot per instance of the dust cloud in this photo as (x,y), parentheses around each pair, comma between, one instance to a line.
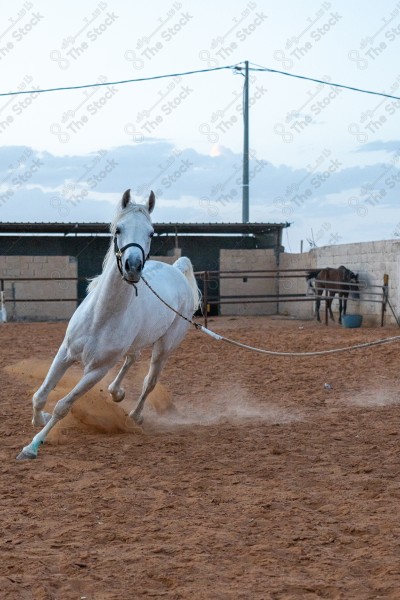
(96,411)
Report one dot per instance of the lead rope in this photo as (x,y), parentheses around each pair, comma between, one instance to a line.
(196,325)
(218,337)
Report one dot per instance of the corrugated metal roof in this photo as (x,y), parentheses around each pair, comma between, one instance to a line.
(160,228)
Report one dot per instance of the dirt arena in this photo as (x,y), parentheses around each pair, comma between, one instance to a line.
(248,479)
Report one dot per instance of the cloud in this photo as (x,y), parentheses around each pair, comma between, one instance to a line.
(197,187)
(379,145)
(35,206)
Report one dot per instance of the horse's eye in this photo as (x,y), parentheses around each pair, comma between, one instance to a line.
(117,231)
(151,234)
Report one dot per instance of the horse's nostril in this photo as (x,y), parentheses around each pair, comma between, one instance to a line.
(134,266)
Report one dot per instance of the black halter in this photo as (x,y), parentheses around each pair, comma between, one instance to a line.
(118,256)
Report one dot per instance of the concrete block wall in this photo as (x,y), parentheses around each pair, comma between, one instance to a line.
(295,283)
(38,267)
(370,259)
(170,258)
(46,266)
(247,260)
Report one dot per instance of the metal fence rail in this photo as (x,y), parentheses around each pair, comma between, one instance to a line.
(36,279)
(371,293)
(376,293)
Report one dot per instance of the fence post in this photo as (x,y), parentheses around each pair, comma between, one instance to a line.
(3,312)
(385,293)
(326,306)
(277,278)
(205,301)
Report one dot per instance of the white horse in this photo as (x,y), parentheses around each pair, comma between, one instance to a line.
(119,317)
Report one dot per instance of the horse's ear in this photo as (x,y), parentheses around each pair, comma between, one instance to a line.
(151,202)
(126,198)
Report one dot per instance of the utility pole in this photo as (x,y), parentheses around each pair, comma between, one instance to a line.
(245,184)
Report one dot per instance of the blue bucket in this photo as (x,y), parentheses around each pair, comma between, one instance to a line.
(351,321)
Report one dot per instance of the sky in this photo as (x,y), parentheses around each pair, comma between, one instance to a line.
(324,159)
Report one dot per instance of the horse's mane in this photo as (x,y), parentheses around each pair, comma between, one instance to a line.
(110,252)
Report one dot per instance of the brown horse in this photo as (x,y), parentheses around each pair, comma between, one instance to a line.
(335,281)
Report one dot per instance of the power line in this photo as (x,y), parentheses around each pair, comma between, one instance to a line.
(121,82)
(236,68)
(338,85)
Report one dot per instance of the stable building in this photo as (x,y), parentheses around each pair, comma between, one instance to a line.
(44,267)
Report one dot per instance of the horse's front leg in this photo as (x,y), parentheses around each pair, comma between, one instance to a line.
(317,305)
(329,301)
(61,409)
(58,367)
(115,389)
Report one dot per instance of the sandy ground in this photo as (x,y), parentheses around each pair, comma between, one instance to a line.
(256,483)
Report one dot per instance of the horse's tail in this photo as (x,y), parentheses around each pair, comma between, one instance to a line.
(185,266)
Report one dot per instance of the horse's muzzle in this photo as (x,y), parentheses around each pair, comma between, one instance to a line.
(133,269)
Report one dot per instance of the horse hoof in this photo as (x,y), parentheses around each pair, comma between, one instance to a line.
(41,419)
(26,455)
(118,396)
(138,419)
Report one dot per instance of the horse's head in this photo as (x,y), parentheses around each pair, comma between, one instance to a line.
(132,231)
(354,284)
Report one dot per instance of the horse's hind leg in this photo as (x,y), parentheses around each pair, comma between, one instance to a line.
(158,358)
(61,409)
(58,367)
(161,350)
(115,389)
(342,307)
